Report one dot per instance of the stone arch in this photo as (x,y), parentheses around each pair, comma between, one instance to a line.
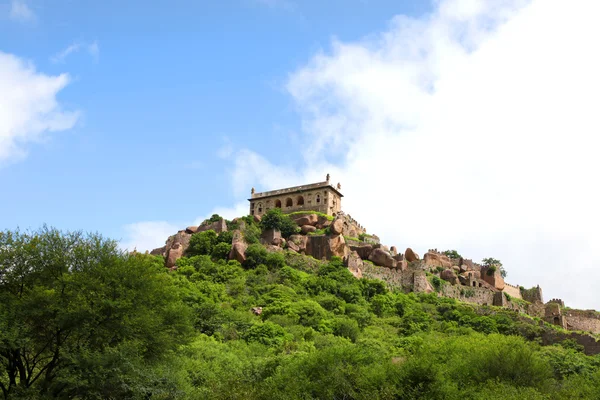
(556,321)
(289,202)
(474,284)
(300,201)
(259,208)
(277,203)
(318,199)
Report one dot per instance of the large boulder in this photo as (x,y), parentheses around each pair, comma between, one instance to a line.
(299,241)
(382,258)
(238,247)
(176,247)
(191,229)
(217,226)
(354,264)
(432,259)
(337,227)
(393,251)
(323,222)
(449,276)
(324,247)
(338,247)
(306,229)
(466,265)
(238,252)
(293,246)
(159,252)
(310,219)
(363,249)
(410,255)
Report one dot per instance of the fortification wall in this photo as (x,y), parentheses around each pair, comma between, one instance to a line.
(583,320)
(475,295)
(512,290)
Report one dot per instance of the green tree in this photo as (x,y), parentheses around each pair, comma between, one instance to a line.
(275,219)
(79,318)
(453,254)
(202,243)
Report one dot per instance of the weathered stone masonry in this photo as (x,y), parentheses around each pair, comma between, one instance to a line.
(321,197)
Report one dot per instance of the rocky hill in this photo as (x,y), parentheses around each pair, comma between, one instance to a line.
(323,237)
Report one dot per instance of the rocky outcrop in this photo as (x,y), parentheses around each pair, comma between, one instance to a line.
(323,222)
(238,247)
(309,219)
(410,255)
(159,252)
(393,251)
(325,247)
(306,229)
(298,241)
(432,259)
(449,276)
(218,226)
(175,248)
(382,258)
(337,227)
(191,229)
(354,264)
(363,249)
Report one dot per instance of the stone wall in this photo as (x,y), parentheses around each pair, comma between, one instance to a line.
(582,320)
(513,291)
(590,345)
(475,295)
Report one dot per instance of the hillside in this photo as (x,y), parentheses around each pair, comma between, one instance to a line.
(80,319)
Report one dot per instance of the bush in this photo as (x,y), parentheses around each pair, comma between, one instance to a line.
(220,251)
(225,237)
(452,254)
(275,219)
(202,243)
(255,256)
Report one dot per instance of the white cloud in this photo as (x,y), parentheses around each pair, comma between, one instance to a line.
(19,11)
(147,235)
(93,49)
(475,127)
(28,106)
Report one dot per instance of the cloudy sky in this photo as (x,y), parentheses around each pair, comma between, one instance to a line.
(451,124)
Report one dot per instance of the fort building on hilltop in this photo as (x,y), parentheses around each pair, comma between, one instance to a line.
(321,197)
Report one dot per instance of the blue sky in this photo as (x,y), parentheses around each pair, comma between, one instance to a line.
(451,124)
(170,84)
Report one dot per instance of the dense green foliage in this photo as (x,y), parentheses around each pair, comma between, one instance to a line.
(275,219)
(121,326)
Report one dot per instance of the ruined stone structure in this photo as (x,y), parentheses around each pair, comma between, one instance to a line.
(321,197)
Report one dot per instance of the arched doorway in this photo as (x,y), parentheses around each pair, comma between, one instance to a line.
(289,202)
(556,321)
(277,203)
(300,201)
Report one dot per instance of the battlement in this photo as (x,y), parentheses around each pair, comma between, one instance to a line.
(557,301)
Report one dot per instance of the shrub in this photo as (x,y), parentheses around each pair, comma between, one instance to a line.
(275,219)
(493,264)
(225,237)
(220,251)
(255,255)
(202,243)
(453,254)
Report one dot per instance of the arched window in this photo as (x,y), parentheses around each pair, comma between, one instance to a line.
(278,203)
(318,198)
(288,202)
(300,201)
(259,207)
(556,321)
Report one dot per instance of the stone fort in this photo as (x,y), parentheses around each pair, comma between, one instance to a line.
(321,197)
